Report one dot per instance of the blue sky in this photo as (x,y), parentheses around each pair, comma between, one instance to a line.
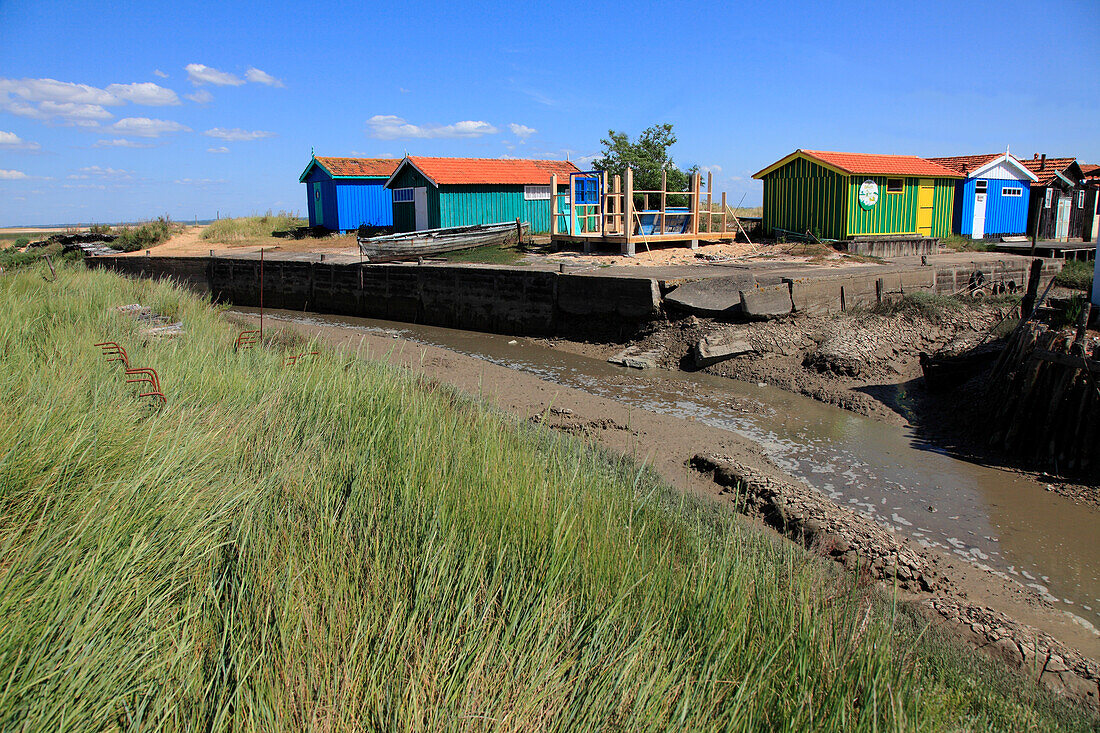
(126,110)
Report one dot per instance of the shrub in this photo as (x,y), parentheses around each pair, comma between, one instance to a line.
(929,306)
(22,242)
(146,235)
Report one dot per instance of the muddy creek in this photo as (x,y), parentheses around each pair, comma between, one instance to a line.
(1005,522)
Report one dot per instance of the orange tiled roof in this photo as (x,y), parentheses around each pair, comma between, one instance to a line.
(365,167)
(443,171)
(871,164)
(965,163)
(1046,175)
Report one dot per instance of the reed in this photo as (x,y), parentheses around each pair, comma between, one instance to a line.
(339,546)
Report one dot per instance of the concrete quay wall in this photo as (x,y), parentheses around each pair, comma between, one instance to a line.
(502,300)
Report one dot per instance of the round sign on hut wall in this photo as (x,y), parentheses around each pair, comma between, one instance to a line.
(868,194)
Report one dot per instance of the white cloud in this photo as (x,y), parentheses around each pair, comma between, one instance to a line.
(712,169)
(11,175)
(95,171)
(11,141)
(219,149)
(237,134)
(145,127)
(120,142)
(522,131)
(262,77)
(197,181)
(201,97)
(52,90)
(161,74)
(391,127)
(144,93)
(200,74)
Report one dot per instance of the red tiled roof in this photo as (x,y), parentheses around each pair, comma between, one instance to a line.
(443,171)
(366,167)
(1091,170)
(965,163)
(871,164)
(1046,175)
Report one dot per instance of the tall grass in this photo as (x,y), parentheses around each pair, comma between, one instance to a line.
(1076,275)
(338,546)
(246,228)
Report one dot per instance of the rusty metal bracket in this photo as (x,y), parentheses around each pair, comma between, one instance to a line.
(292,360)
(144,374)
(116,352)
(247,339)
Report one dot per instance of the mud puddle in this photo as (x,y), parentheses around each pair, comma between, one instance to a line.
(997,520)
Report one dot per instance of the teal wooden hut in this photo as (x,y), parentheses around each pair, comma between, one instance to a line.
(432,193)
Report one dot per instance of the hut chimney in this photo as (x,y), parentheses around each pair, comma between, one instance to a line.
(1043,162)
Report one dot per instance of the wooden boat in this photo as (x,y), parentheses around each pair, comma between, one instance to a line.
(411,245)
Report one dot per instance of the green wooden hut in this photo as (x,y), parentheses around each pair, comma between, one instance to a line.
(847,195)
(430,193)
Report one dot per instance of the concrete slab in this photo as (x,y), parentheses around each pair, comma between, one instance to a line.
(716,296)
(769,301)
(717,347)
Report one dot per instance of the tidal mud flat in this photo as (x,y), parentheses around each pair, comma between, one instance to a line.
(668,420)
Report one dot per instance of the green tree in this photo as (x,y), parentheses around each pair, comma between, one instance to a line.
(647,155)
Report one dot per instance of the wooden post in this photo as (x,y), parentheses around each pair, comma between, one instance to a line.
(1028,302)
(603,201)
(519,233)
(617,182)
(645,201)
(696,182)
(628,212)
(710,201)
(553,204)
(723,212)
(261,293)
(664,199)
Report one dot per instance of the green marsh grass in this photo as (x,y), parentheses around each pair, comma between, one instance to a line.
(247,228)
(339,546)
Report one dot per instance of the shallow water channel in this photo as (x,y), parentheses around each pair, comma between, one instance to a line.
(997,519)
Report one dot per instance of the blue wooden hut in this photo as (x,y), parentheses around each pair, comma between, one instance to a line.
(343,194)
(992,200)
(431,193)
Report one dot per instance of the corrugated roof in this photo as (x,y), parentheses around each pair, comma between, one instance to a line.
(870,163)
(965,163)
(359,167)
(495,171)
(1053,167)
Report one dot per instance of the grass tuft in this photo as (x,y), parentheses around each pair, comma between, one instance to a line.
(1076,275)
(248,228)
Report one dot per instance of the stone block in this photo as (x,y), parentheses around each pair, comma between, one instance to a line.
(770,301)
(815,297)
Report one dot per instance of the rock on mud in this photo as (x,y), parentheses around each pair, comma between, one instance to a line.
(717,347)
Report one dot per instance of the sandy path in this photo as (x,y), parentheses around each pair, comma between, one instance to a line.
(664,442)
(190,243)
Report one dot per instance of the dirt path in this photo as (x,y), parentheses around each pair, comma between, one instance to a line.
(967,597)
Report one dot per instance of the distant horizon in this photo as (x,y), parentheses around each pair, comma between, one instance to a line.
(215,111)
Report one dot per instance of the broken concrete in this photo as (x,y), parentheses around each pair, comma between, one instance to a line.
(718,347)
(769,301)
(713,297)
(635,358)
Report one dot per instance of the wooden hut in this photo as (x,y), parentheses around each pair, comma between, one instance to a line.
(430,193)
(991,201)
(344,193)
(842,196)
(1057,208)
(1091,172)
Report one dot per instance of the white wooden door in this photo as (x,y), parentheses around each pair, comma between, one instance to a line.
(1061,226)
(979,216)
(420,203)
